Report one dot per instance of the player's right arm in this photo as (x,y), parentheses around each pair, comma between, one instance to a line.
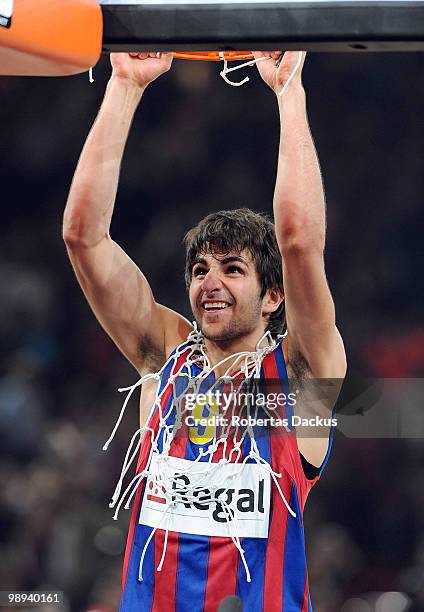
(117,291)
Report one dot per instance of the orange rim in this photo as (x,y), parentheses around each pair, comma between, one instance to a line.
(214,56)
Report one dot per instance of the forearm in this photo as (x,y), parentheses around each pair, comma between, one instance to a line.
(91,199)
(299,202)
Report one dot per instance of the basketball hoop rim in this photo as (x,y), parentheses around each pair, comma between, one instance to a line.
(213,56)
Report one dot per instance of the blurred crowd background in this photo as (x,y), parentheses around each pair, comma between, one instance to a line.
(196,146)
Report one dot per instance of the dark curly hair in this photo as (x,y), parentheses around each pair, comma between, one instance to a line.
(233,231)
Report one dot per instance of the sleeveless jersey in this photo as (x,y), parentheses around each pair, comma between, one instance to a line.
(201,564)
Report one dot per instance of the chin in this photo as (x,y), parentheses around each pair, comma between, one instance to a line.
(224,334)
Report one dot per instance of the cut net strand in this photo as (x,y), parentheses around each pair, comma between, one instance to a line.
(225,71)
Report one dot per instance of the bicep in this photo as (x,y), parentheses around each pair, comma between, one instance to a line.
(122,300)
(310,313)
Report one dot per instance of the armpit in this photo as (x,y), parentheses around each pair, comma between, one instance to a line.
(297,367)
(152,358)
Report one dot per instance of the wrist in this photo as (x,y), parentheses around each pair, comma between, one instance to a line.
(295,91)
(293,101)
(122,94)
(127,84)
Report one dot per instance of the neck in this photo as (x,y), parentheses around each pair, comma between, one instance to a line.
(219,350)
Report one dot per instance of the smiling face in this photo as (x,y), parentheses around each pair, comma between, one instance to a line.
(225,297)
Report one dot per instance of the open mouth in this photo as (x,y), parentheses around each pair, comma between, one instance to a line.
(215,306)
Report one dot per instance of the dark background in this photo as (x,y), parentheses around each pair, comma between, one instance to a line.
(198,145)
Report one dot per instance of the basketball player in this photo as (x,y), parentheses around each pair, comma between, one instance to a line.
(235,265)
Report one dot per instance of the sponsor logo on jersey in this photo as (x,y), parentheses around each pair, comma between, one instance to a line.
(237,503)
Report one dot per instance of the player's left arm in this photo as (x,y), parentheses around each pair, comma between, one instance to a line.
(299,211)
(300,221)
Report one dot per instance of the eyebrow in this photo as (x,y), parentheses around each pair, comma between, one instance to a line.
(226,260)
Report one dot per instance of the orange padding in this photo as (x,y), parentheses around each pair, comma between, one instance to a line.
(214,56)
(51,38)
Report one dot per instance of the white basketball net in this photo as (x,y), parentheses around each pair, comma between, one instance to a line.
(249,365)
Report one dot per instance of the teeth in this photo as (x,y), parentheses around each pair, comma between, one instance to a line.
(210,305)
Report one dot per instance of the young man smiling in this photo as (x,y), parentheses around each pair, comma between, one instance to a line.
(226,302)
(235,265)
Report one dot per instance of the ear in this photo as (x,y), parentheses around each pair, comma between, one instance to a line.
(271,301)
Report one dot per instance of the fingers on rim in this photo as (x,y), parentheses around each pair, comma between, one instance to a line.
(145,54)
(272,55)
(139,54)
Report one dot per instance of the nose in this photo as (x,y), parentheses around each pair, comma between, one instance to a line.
(211,281)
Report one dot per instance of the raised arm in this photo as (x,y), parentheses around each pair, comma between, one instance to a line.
(115,288)
(299,211)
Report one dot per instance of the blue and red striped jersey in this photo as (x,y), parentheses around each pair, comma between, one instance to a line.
(201,563)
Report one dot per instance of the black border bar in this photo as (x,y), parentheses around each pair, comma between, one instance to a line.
(313,26)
